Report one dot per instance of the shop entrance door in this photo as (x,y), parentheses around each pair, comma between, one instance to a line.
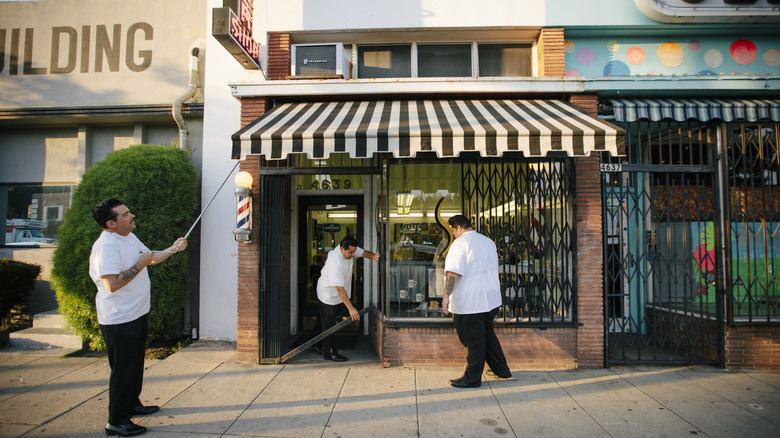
(323,221)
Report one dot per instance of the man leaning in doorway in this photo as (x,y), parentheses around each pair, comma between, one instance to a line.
(117,265)
(335,287)
(472,293)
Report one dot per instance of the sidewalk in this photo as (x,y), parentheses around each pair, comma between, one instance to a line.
(204,393)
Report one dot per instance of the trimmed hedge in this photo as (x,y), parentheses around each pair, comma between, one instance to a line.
(17,280)
(159,186)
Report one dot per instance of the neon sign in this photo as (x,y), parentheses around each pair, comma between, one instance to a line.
(232,27)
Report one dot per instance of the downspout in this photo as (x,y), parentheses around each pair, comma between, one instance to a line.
(184,132)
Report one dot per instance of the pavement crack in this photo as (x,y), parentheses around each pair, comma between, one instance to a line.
(335,402)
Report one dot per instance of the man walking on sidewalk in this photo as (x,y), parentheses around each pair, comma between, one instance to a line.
(472,293)
(117,265)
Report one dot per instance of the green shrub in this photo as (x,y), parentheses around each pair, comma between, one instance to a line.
(17,280)
(159,186)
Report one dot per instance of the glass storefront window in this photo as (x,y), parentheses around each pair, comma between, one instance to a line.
(33,213)
(523,206)
(419,236)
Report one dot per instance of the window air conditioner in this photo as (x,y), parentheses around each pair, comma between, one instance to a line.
(321,60)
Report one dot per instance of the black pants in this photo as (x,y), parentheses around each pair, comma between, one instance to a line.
(125,347)
(327,319)
(476,333)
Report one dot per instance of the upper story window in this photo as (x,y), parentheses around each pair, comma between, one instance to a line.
(505,60)
(389,61)
(443,60)
(430,60)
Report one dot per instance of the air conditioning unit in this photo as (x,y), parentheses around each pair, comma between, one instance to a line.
(321,60)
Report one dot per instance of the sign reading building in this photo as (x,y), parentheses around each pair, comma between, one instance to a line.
(232,27)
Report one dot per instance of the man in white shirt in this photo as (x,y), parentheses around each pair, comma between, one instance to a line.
(472,293)
(335,287)
(117,266)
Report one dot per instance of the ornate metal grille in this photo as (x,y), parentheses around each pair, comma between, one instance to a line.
(753,166)
(524,207)
(661,240)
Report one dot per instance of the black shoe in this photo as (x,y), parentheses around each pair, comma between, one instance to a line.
(127,429)
(463,383)
(500,376)
(336,358)
(145,410)
(316,348)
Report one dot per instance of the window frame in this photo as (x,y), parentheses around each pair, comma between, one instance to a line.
(475,73)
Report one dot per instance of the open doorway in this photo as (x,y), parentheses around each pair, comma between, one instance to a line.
(323,221)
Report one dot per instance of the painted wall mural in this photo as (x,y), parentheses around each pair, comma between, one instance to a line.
(597,57)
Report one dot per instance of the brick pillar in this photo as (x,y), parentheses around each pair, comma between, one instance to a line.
(279,55)
(248,318)
(590,258)
(248,330)
(550,54)
(252,108)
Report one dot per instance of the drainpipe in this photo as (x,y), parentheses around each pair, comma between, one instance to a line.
(184,132)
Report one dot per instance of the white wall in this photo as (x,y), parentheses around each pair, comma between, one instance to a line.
(219,250)
(295,15)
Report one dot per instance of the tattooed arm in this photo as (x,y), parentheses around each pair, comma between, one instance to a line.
(450,282)
(117,281)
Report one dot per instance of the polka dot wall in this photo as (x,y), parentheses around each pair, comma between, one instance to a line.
(596,57)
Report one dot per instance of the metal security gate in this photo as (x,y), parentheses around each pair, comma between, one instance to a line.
(662,257)
(271,230)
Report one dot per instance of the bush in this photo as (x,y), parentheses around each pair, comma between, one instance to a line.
(17,280)
(159,185)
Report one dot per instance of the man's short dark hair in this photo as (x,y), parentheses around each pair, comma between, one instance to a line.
(104,212)
(348,242)
(461,221)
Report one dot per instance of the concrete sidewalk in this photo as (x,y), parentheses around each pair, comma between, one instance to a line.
(203,392)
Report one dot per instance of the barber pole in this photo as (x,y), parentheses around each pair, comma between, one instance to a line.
(243,219)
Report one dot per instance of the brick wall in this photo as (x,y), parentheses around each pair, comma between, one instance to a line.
(589,255)
(279,55)
(524,348)
(252,108)
(753,347)
(550,53)
(248,332)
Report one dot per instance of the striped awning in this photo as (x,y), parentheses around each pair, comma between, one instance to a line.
(446,127)
(728,110)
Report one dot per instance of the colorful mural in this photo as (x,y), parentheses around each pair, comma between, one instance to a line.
(597,57)
(755,256)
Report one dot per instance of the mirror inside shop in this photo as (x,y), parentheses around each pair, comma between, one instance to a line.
(422,199)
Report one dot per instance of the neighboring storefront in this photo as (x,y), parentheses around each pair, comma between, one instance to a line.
(608,228)
(78,80)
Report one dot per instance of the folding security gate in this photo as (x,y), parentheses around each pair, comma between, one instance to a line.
(662,257)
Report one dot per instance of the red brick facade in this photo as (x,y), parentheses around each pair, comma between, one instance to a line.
(755,347)
(248,331)
(550,53)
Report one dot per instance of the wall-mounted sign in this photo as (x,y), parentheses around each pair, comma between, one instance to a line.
(331,227)
(232,27)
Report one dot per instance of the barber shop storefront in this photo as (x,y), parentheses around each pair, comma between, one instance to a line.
(391,171)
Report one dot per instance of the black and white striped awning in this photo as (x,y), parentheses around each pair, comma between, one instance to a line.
(728,110)
(447,127)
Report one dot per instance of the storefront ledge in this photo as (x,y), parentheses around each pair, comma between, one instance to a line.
(447,323)
(399,86)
